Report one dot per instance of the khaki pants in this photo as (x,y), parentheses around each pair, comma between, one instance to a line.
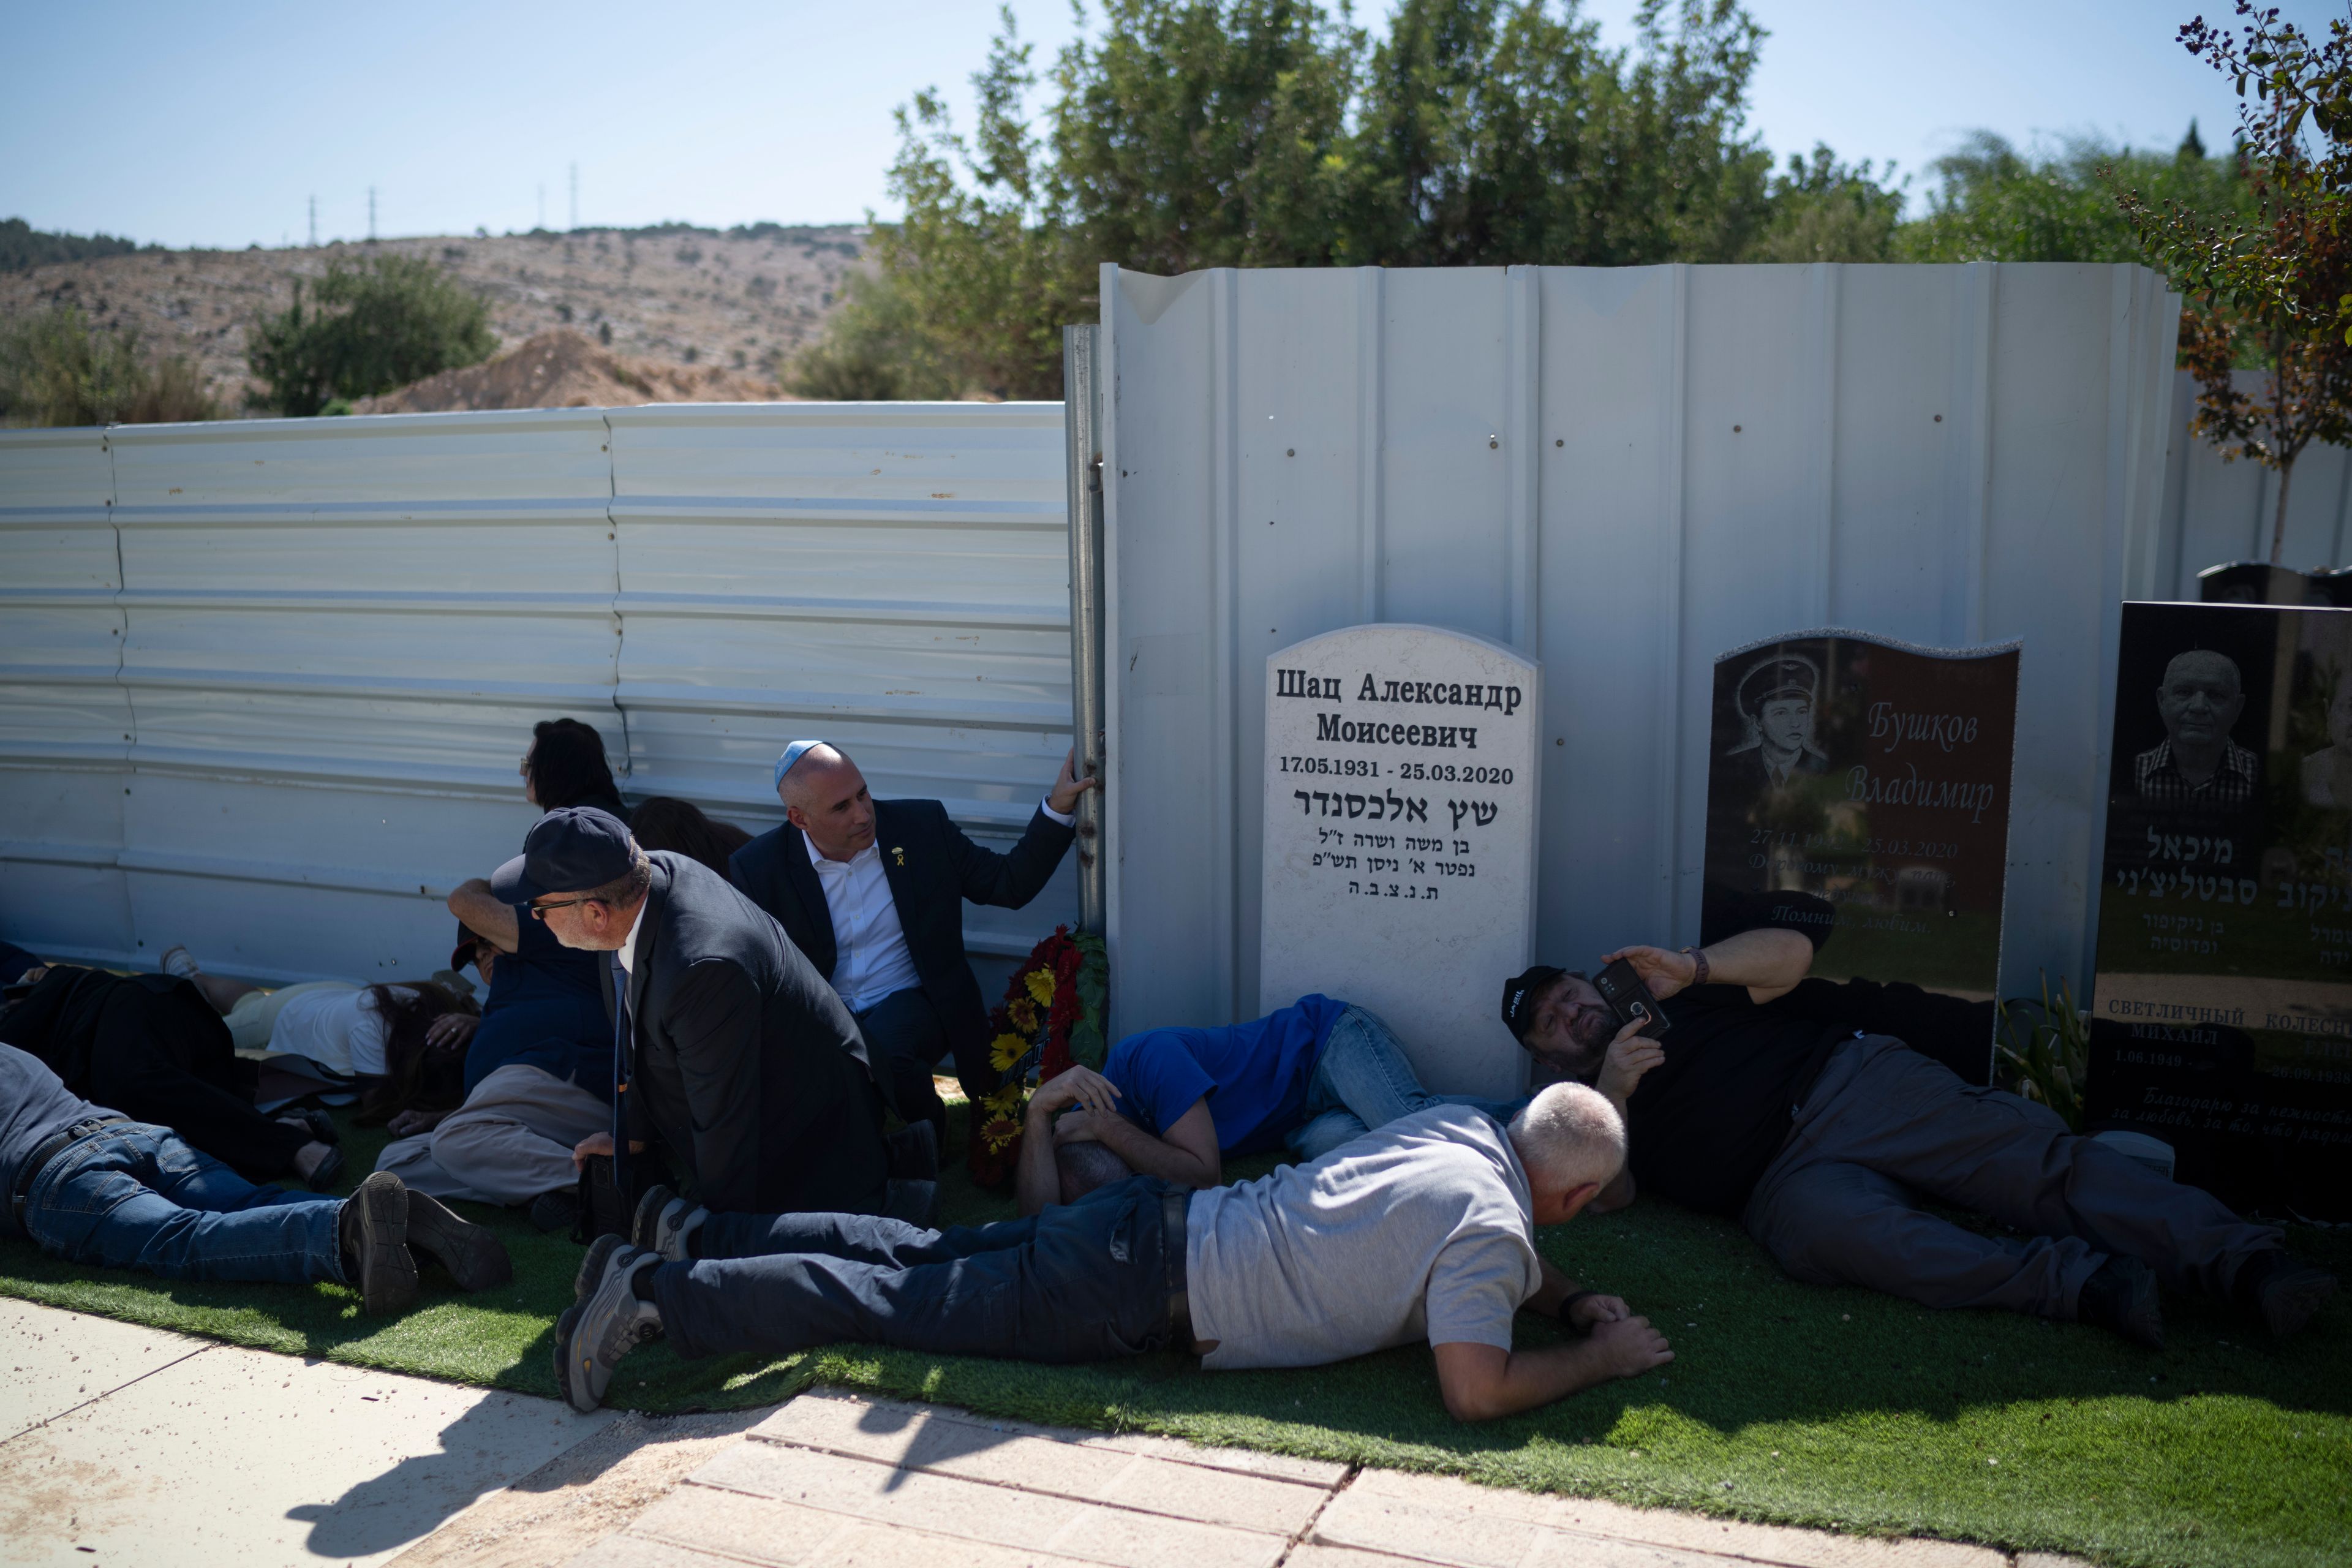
(511,1141)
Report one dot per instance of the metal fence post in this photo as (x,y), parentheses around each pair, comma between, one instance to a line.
(1082,427)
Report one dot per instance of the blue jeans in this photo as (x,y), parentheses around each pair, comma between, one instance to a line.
(1362,1082)
(1083,1282)
(131,1195)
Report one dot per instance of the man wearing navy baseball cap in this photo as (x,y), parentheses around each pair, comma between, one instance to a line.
(734,1058)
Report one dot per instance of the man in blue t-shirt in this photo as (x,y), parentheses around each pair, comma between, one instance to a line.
(1172,1102)
(538,1070)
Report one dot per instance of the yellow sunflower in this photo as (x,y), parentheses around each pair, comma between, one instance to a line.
(1041,984)
(1006,1049)
(1023,1014)
(999,1131)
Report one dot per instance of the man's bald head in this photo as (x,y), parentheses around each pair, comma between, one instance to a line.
(825,797)
(2200,701)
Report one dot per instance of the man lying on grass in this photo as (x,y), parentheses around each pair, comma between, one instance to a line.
(1423,1229)
(1173,1102)
(1821,1139)
(91,1185)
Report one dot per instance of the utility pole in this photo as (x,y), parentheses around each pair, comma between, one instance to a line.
(575,196)
(542,204)
(314,222)
(371,215)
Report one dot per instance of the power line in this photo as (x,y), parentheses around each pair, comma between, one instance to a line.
(542,204)
(575,196)
(371,215)
(314,222)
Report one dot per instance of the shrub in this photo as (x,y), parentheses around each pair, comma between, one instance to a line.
(876,349)
(56,369)
(386,323)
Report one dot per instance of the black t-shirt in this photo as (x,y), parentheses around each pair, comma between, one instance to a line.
(1704,1123)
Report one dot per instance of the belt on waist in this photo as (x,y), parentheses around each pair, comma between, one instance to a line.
(1172,1207)
(45,1152)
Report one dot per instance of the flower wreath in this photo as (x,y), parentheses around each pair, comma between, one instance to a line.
(1051,1018)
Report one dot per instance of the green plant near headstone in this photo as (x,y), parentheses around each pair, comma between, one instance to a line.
(2043,1052)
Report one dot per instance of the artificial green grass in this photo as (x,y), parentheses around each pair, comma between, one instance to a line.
(1786,1402)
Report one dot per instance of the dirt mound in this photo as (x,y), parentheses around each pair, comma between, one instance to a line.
(563,369)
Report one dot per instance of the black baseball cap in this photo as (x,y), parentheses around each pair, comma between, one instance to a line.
(569,850)
(1519,995)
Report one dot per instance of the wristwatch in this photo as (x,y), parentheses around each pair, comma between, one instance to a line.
(1698,958)
(1567,1304)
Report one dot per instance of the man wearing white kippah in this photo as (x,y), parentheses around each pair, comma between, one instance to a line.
(872,893)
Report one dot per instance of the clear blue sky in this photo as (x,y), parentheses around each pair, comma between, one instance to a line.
(214,124)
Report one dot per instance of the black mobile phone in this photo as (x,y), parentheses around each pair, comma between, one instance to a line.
(1620,984)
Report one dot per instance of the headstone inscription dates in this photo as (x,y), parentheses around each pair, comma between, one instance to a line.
(1398,864)
(1873,775)
(2222,1012)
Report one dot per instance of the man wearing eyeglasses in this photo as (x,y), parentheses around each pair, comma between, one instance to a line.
(733,1058)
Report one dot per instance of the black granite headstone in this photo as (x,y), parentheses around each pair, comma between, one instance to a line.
(2223,1004)
(1876,775)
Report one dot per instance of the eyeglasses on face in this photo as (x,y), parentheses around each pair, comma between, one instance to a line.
(539,911)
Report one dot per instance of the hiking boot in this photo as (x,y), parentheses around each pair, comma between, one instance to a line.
(2281,1289)
(665,1223)
(373,1230)
(916,1203)
(607,1323)
(2121,1297)
(475,1259)
(915,1153)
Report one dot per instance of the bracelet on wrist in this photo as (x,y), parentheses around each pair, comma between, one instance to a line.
(1698,965)
(1569,1305)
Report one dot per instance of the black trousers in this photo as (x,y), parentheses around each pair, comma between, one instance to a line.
(1084,1282)
(904,1041)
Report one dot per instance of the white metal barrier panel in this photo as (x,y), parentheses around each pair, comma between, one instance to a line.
(1623,473)
(263,686)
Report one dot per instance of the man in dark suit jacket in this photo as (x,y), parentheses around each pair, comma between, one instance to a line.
(872,893)
(738,1062)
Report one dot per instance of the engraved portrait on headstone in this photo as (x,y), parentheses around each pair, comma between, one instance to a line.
(1397,869)
(2223,1008)
(1875,776)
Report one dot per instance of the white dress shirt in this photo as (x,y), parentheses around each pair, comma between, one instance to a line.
(871,960)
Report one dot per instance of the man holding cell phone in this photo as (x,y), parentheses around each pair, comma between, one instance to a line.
(1742,1100)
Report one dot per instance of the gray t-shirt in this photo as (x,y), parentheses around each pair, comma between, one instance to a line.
(1418,1230)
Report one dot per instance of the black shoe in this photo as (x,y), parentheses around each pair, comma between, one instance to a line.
(2281,1289)
(555,1211)
(665,1224)
(318,1123)
(475,1259)
(2121,1297)
(917,1203)
(328,1174)
(373,1229)
(915,1153)
(607,1323)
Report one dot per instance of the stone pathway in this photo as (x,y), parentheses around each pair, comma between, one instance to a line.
(123,1443)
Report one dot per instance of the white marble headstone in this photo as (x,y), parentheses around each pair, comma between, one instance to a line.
(1400,850)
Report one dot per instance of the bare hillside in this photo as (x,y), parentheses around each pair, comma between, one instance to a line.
(688,299)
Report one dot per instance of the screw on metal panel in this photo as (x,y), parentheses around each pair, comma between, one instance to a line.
(1492,442)
(1735,429)
(1559,442)
(1939,419)
(1291,453)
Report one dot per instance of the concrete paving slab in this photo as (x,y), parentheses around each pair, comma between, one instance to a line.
(1240,1461)
(242,1457)
(724,1527)
(974,1510)
(583,1494)
(946,1442)
(56,1361)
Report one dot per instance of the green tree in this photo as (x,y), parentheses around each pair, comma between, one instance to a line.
(1822,210)
(1495,131)
(56,369)
(2271,281)
(1189,133)
(389,320)
(1997,204)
